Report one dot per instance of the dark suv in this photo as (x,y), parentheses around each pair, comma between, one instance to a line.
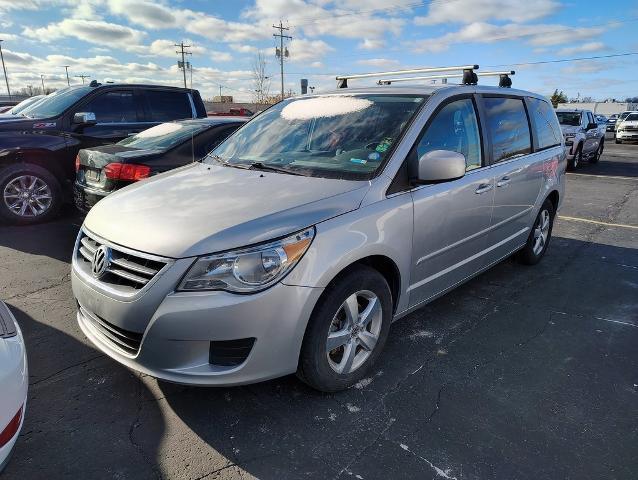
(38,148)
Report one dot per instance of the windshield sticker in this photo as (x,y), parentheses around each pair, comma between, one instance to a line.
(374,156)
(310,108)
(360,161)
(384,145)
(44,125)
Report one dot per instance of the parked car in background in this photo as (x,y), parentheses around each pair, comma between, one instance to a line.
(233,112)
(621,117)
(102,170)
(38,146)
(22,105)
(14,381)
(584,137)
(295,243)
(627,129)
(601,120)
(611,122)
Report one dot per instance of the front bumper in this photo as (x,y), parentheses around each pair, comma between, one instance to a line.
(176,339)
(627,135)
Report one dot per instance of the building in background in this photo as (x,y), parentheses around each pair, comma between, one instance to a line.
(601,108)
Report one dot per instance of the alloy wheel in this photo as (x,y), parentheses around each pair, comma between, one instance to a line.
(27,196)
(541,232)
(354,332)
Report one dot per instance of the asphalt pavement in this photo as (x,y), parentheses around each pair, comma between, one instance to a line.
(522,373)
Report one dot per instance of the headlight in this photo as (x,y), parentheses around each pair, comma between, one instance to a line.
(249,269)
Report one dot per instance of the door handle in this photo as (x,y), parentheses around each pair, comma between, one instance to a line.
(503,181)
(483,187)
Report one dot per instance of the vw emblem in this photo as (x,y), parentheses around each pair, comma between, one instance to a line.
(101,261)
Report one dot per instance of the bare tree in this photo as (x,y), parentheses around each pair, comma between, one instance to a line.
(261,81)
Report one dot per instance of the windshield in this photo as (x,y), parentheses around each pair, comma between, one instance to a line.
(632,117)
(54,104)
(163,136)
(571,119)
(337,136)
(24,104)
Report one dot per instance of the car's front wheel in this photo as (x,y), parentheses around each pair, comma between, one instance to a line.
(347,330)
(599,153)
(578,156)
(28,194)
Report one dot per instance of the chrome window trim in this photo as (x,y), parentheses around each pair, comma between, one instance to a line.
(193,109)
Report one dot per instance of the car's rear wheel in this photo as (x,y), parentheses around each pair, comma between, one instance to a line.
(539,237)
(28,194)
(347,331)
(578,156)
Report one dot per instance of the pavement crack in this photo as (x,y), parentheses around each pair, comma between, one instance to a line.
(32,384)
(65,279)
(135,424)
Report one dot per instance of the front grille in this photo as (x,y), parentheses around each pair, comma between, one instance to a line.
(230,353)
(125,271)
(631,128)
(123,340)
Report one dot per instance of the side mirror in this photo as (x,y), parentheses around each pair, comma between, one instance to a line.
(440,166)
(84,118)
(591,126)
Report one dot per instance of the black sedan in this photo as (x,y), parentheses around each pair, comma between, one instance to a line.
(102,170)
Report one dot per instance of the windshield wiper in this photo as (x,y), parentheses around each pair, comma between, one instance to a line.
(270,168)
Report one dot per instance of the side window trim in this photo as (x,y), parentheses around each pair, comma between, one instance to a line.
(529,127)
(193,109)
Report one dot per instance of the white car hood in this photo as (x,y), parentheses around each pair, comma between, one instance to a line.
(201,209)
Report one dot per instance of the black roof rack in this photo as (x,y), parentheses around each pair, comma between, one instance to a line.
(468,75)
(504,80)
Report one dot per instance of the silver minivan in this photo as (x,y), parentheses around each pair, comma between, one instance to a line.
(295,244)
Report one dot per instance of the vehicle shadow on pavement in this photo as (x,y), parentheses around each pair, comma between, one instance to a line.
(528,361)
(53,239)
(81,408)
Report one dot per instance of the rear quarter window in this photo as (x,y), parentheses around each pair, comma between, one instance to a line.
(164,105)
(508,127)
(546,127)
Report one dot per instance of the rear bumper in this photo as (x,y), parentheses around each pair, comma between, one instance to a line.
(85,198)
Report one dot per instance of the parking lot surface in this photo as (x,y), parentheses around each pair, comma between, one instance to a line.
(524,372)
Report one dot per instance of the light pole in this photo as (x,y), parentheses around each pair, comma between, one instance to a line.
(6,79)
(42,78)
(66,67)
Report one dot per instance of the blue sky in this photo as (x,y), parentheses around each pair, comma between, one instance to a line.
(132,40)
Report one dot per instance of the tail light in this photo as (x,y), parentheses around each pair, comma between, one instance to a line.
(11,429)
(127,171)
(77,162)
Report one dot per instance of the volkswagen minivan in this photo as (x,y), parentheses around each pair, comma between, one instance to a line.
(295,244)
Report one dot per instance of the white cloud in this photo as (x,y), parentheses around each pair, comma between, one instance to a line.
(303,50)
(371,44)
(238,47)
(146,14)
(92,31)
(217,56)
(470,11)
(379,62)
(479,32)
(584,48)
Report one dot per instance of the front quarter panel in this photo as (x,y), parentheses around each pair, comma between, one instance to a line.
(380,228)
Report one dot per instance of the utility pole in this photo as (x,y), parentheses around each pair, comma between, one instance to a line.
(66,67)
(6,79)
(183,62)
(280,51)
(220,93)
(42,78)
(83,77)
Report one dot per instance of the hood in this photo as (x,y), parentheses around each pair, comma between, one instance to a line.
(200,209)
(568,129)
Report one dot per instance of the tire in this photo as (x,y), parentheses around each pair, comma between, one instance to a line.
(617,140)
(318,367)
(599,153)
(28,179)
(531,254)
(578,157)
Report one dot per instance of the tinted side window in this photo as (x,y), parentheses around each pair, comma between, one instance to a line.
(454,128)
(166,105)
(508,127)
(113,107)
(546,125)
